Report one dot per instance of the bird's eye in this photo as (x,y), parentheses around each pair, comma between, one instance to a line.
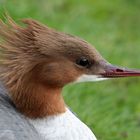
(84,62)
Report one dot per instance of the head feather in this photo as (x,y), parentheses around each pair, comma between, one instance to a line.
(17,40)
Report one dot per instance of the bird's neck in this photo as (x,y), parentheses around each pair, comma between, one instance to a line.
(39,102)
(31,97)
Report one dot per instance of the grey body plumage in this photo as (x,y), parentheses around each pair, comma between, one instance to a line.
(13,125)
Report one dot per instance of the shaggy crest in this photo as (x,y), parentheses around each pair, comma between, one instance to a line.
(16,40)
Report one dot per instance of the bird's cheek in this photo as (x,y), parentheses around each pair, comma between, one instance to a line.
(58,77)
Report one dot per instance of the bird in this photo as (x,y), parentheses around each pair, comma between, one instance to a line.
(36,63)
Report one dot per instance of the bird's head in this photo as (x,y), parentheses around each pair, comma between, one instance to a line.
(38,60)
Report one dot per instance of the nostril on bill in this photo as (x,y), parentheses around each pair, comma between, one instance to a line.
(119,70)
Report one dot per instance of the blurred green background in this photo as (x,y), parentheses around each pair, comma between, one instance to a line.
(110,108)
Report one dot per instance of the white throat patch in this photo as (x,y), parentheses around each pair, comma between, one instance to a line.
(89,78)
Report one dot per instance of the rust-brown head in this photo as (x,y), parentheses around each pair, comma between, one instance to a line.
(37,62)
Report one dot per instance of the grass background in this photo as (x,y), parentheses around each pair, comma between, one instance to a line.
(110,108)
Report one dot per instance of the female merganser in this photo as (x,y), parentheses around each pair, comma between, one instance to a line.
(37,62)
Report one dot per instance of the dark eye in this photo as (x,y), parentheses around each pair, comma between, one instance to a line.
(84,62)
